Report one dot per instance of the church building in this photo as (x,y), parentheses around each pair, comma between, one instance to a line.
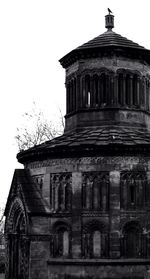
(80,208)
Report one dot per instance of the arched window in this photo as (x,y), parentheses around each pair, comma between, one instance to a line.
(133,190)
(95,191)
(61,191)
(103,89)
(95,92)
(96,244)
(17,245)
(96,194)
(68,196)
(89,184)
(104,191)
(94,241)
(135,96)
(60,244)
(127,97)
(120,89)
(142,92)
(132,193)
(134,241)
(65,240)
(87,91)
(61,195)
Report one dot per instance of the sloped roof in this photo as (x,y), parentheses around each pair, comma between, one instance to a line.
(110,38)
(30,194)
(107,40)
(98,138)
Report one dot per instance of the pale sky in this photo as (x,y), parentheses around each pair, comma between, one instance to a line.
(34,35)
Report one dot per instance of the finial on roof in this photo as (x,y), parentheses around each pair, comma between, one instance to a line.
(110,12)
(109,20)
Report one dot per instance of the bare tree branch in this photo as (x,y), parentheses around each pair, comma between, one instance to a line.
(36,129)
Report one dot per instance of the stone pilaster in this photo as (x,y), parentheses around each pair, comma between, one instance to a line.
(46,188)
(131,90)
(76,214)
(114,214)
(138,91)
(116,90)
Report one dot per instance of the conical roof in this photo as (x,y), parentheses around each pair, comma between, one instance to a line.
(110,38)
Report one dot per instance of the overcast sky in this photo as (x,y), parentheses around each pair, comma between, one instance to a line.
(34,35)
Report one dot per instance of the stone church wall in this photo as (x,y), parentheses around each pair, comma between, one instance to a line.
(112,221)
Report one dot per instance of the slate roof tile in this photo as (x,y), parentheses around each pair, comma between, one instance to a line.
(110,38)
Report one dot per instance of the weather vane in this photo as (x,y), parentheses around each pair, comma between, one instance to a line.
(110,12)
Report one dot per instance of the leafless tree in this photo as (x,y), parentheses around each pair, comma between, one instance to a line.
(37,129)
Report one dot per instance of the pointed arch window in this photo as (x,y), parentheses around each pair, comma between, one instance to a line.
(68,195)
(134,242)
(61,191)
(16,243)
(95,191)
(133,190)
(61,242)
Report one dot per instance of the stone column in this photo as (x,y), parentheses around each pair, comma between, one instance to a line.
(99,91)
(116,89)
(112,96)
(147,94)
(138,91)
(91,92)
(142,93)
(83,98)
(76,213)
(67,98)
(78,92)
(144,85)
(73,94)
(94,91)
(114,214)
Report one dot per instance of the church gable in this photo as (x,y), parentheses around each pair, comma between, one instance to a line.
(24,188)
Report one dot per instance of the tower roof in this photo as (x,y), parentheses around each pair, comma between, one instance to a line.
(98,126)
(109,40)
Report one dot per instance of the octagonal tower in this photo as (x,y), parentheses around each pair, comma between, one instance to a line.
(80,208)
